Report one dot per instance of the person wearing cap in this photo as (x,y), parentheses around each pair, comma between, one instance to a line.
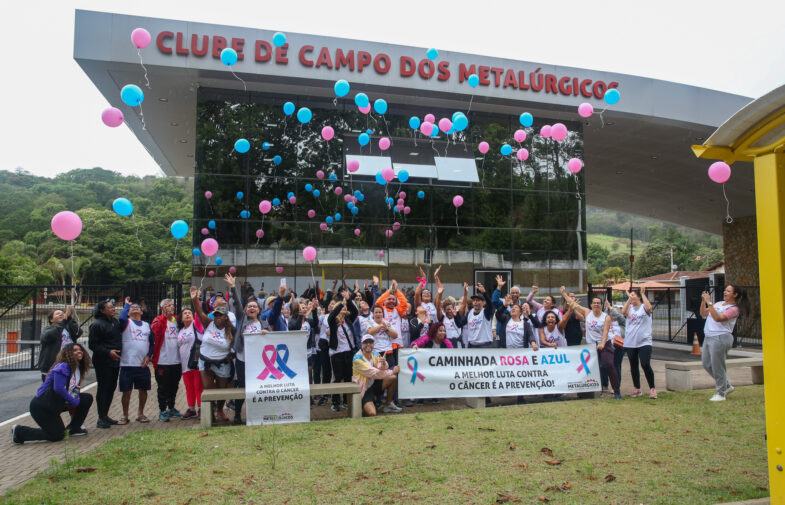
(166,360)
(273,313)
(478,320)
(374,376)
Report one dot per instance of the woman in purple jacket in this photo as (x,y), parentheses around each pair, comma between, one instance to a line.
(58,393)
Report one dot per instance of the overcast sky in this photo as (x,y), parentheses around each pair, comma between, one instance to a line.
(51,111)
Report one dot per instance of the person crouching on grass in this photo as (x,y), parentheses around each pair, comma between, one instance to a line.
(374,376)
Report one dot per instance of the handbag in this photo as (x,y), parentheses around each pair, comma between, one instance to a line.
(193,355)
(618,341)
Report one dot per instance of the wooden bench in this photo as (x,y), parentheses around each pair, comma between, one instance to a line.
(337,388)
(678,374)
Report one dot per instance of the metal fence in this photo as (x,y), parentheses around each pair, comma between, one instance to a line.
(24,312)
(676,317)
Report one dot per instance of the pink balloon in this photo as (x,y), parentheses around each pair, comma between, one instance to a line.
(585,109)
(320,174)
(483,147)
(545,131)
(67,225)
(559,132)
(205,231)
(399,207)
(323,226)
(357,232)
(575,165)
(339,191)
(140,38)
(381,254)
(309,253)
(328,132)
(292,200)
(352,165)
(347,198)
(112,117)
(208,194)
(279,270)
(457,200)
(520,135)
(366,109)
(402,194)
(211,273)
(523,154)
(209,246)
(259,233)
(396,226)
(384,143)
(389,233)
(232,270)
(429,118)
(312,213)
(426,128)
(719,172)
(265,206)
(400,201)
(445,124)
(407,210)
(388,174)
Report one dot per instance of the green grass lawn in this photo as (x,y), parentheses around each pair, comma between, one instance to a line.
(606,241)
(679,449)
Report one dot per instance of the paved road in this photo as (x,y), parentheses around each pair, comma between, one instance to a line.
(17,388)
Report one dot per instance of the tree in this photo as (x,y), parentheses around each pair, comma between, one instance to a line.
(612,275)
(597,256)
(654,260)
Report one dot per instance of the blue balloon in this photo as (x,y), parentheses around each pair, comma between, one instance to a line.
(276,201)
(526,119)
(219,260)
(369,131)
(363,139)
(612,96)
(414,122)
(389,200)
(309,187)
(350,204)
(328,220)
(288,108)
(380,179)
(460,123)
(450,131)
(277,159)
(380,106)
(355,210)
(357,193)
(266,146)
(279,39)
(123,206)
(240,195)
(395,209)
(403,176)
(304,115)
(132,95)
(179,229)
(337,216)
(432,53)
(316,193)
(228,56)
(289,195)
(505,149)
(435,131)
(211,224)
(360,99)
(473,80)
(197,252)
(245,214)
(341,88)
(362,196)
(242,146)
(421,194)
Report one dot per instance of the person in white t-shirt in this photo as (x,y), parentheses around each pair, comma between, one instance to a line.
(478,320)
(720,320)
(135,357)
(166,360)
(423,296)
(637,341)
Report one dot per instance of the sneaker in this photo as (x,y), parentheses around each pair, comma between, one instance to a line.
(14,437)
(395,403)
(653,394)
(110,420)
(322,401)
(635,393)
(77,432)
(103,424)
(617,396)
(335,407)
(189,414)
(174,413)
(163,416)
(392,409)
(408,403)
(717,398)
(230,405)
(730,389)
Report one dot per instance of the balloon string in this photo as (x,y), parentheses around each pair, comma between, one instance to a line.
(141,116)
(137,230)
(143,67)
(284,127)
(456,221)
(73,273)
(335,102)
(482,173)
(176,243)
(434,149)
(728,219)
(470,104)
(387,129)
(203,275)
(245,88)
(313,279)
(602,119)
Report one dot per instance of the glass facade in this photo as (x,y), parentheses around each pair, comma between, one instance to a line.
(522,217)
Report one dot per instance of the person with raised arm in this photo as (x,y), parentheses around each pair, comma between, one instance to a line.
(190,332)
(62,330)
(138,347)
(552,329)
(616,333)
(516,331)
(215,353)
(166,360)
(638,339)
(395,308)
(422,295)
(305,318)
(342,343)
(478,320)
(720,320)
(460,316)
(548,304)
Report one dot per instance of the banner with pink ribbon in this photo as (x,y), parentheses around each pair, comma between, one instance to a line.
(454,373)
(276,378)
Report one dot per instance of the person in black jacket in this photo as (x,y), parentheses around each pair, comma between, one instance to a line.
(62,330)
(106,342)
(342,342)
(521,330)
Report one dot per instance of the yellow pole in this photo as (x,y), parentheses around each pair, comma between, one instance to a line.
(770,208)
(317,294)
(380,278)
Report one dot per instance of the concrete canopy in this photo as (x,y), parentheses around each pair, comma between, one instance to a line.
(637,156)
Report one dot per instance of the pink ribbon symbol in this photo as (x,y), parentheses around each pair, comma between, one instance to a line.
(270,356)
(415,374)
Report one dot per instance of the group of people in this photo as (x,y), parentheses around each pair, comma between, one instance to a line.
(353,335)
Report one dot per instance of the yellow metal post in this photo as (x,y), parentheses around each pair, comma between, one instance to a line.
(770,209)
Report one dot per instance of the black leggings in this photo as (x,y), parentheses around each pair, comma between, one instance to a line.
(106,376)
(167,377)
(342,370)
(52,427)
(322,370)
(644,353)
(240,383)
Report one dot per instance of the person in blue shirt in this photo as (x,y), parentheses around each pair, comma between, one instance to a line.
(273,313)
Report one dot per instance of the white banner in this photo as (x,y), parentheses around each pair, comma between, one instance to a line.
(451,373)
(276,378)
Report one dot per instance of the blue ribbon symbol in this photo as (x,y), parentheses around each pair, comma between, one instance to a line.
(585,358)
(415,373)
(281,362)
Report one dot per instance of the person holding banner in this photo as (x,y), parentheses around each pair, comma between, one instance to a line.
(373,374)
(637,341)
(342,343)
(478,320)
(215,353)
(552,331)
